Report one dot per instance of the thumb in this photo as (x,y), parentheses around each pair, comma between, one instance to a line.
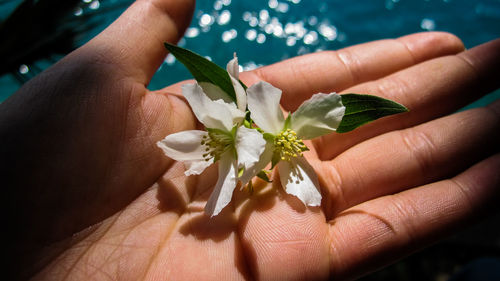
(134,42)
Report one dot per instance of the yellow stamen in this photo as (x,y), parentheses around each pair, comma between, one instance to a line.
(288,145)
(216,144)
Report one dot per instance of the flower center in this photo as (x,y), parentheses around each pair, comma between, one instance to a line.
(216,143)
(288,146)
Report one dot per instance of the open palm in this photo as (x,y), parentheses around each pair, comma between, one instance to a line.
(93,198)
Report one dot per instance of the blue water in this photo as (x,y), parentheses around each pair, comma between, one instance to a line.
(267,31)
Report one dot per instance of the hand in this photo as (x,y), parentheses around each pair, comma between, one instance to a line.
(92,197)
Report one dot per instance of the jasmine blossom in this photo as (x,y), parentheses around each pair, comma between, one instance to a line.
(317,116)
(236,148)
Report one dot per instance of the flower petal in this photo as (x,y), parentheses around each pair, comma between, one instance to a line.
(186,147)
(212,114)
(264,105)
(317,116)
(214,92)
(299,179)
(249,146)
(223,191)
(241,95)
(264,160)
(236,114)
(233,68)
(196,167)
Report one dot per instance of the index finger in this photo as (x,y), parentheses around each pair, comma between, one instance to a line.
(334,71)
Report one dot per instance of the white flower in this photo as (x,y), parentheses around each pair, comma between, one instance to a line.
(214,92)
(317,116)
(235,147)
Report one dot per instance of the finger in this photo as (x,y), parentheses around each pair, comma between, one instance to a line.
(134,42)
(380,231)
(430,89)
(403,159)
(334,71)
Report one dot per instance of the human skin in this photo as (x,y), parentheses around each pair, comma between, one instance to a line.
(89,195)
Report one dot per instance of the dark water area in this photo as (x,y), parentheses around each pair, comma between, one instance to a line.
(266,31)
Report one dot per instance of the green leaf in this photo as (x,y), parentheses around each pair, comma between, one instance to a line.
(263,176)
(243,85)
(203,70)
(362,109)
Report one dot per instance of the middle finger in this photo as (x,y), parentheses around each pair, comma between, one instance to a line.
(430,89)
(407,158)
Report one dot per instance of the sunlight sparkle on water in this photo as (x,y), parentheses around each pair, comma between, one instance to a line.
(250,66)
(95,5)
(224,17)
(206,20)
(273,4)
(229,35)
(312,20)
(290,41)
(311,38)
(192,32)
(251,34)
(297,29)
(428,24)
(264,17)
(170,59)
(328,31)
(261,38)
(23,69)
(301,35)
(282,8)
(78,11)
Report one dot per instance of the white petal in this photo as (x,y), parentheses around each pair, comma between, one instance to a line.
(212,114)
(233,67)
(317,116)
(214,92)
(186,147)
(299,179)
(223,190)
(234,73)
(241,95)
(264,160)
(196,167)
(249,146)
(236,114)
(264,105)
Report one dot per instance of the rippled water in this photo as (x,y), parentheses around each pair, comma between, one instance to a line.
(267,31)
(264,32)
